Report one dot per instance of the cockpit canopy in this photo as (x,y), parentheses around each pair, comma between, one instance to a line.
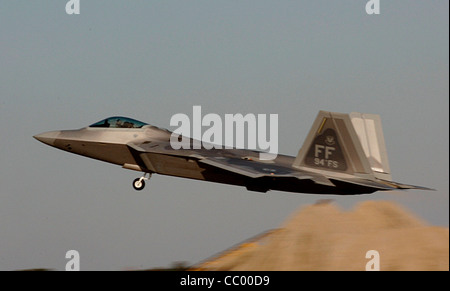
(119,122)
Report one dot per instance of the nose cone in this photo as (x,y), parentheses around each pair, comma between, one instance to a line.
(48,137)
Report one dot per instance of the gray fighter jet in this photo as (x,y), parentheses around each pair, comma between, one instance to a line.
(343,154)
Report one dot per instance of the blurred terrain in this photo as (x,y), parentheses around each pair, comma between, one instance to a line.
(323,237)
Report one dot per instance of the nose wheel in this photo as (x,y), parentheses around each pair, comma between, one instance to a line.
(139,183)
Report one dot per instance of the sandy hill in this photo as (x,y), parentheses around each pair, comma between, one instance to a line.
(323,237)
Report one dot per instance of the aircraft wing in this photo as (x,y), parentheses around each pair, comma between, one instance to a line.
(234,161)
(251,169)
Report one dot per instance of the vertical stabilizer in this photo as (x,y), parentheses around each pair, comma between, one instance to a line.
(346,143)
(370,133)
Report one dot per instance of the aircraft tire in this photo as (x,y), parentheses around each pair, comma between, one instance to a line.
(138,184)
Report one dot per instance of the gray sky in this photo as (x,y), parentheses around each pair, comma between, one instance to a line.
(152,59)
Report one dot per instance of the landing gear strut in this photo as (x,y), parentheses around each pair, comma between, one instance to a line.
(139,183)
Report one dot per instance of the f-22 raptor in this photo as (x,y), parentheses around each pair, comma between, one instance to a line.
(343,154)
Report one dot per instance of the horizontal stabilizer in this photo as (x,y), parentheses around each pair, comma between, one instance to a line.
(406,186)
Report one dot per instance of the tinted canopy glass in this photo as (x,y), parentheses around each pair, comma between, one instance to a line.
(119,122)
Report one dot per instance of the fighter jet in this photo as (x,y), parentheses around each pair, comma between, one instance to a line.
(343,154)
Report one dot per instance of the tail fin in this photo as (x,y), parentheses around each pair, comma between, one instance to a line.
(348,143)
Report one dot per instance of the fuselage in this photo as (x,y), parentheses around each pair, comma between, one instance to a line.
(111,145)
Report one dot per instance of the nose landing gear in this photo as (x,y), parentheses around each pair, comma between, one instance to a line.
(139,183)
